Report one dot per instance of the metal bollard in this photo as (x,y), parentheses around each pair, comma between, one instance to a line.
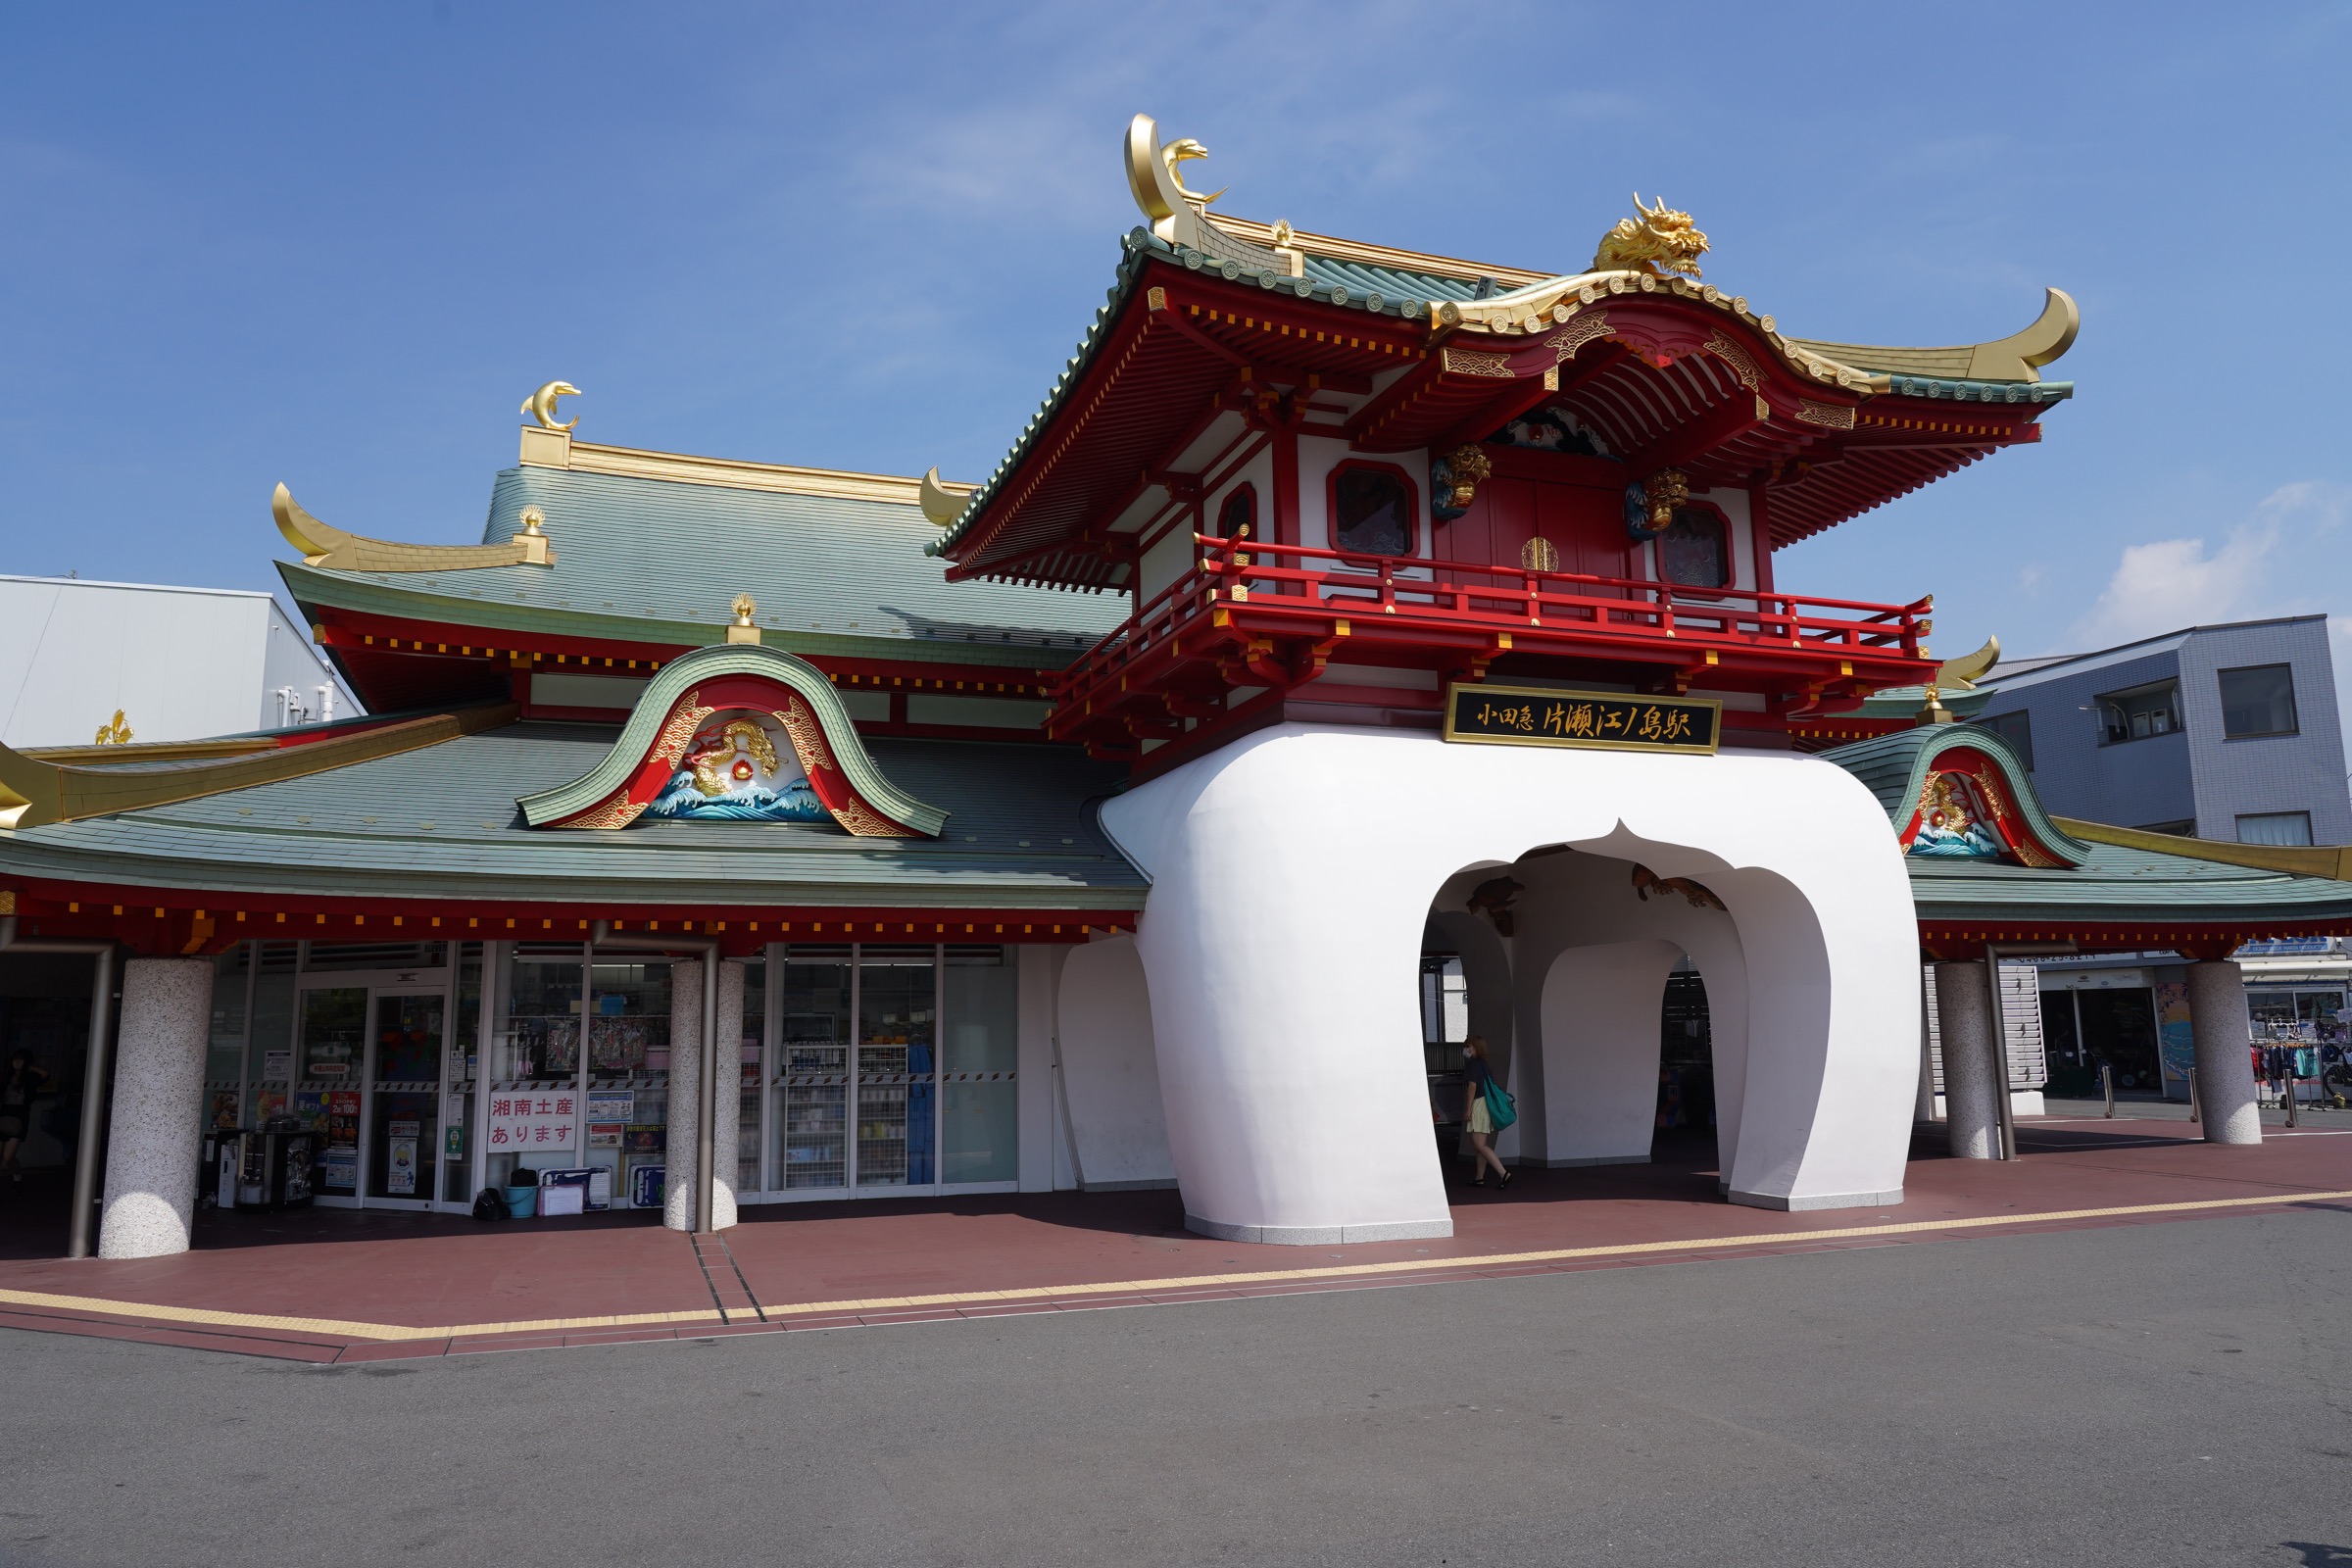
(2195,1115)
(2291,1082)
(2107,1083)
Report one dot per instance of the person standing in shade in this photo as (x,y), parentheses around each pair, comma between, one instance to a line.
(22,1081)
(1478,1126)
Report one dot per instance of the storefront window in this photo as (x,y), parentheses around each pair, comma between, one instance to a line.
(896,1009)
(628,1076)
(225,1054)
(812,1074)
(536,1061)
(270,1058)
(330,957)
(330,1054)
(980,1108)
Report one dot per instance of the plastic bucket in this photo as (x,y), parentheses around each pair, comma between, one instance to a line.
(523,1202)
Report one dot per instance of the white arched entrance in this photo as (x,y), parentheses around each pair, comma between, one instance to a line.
(1291,873)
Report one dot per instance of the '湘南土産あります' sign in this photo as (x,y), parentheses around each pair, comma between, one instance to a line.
(1521,716)
(525,1120)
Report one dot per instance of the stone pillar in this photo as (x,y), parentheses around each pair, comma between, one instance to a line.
(686,1093)
(729,1147)
(1975,1075)
(156,1136)
(2217,1015)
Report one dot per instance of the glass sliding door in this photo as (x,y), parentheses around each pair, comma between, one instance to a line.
(812,1045)
(897,1006)
(331,1061)
(980,1048)
(404,1092)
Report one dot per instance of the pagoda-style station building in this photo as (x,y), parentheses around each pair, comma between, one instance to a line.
(1357,650)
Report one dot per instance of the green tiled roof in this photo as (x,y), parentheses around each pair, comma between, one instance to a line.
(2121,886)
(2110,885)
(440,823)
(658,561)
(1894,768)
(1353,286)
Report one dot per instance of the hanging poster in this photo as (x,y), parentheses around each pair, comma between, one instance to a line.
(341,1170)
(277,1066)
(2175,1036)
(522,1119)
(400,1173)
(224,1108)
(342,1118)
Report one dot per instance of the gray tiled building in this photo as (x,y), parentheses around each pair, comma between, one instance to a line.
(2228,732)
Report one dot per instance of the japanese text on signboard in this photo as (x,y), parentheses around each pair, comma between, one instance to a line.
(523,1120)
(1534,717)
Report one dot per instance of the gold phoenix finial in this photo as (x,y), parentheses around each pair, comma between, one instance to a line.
(541,405)
(115,733)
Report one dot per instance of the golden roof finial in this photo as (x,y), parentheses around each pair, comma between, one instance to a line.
(1654,240)
(1287,246)
(541,405)
(117,733)
(1176,211)
(743,631)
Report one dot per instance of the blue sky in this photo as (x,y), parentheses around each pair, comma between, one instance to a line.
(337,245)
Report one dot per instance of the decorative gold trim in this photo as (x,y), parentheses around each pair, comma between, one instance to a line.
(1742,363)
(1587,328)
(614,810)
(586,456)
(740,630)
(2332,861)
(1469,362)
(1352,250)
(678,729)
(867,823)
(1829,415)
(807,735)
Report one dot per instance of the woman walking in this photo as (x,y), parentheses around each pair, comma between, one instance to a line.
(1478,1124)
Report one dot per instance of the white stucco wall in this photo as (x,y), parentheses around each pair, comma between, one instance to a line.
(1109,1070)
(1292,873)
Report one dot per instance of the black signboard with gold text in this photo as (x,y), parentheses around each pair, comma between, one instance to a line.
(1522,715)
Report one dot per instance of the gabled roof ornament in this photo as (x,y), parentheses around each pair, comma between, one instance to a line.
(324,545)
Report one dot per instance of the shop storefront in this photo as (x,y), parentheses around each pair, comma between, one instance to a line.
(867,1070)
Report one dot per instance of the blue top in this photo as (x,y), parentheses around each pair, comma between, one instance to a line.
(1476,1067)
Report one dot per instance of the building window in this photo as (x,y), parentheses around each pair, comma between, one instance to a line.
(2274,827)
(1696,550)
(2259,700)
(2018,730)
(2138,713)
(1372,512)
(1237,518)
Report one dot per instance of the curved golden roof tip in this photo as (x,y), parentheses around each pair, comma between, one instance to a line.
(1174,212)
(324,545)
(1963,673)
(939,503)
(541,405)
(2019,356)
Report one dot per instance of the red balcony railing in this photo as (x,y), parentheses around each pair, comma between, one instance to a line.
(1241,590)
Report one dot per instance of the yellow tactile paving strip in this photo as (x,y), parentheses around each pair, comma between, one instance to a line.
(346,1328)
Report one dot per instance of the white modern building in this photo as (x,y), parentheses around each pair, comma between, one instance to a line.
(175,663)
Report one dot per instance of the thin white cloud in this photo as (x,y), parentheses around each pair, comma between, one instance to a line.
(2169,583)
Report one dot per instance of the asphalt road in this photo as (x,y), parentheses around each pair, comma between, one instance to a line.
(2154,1394)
